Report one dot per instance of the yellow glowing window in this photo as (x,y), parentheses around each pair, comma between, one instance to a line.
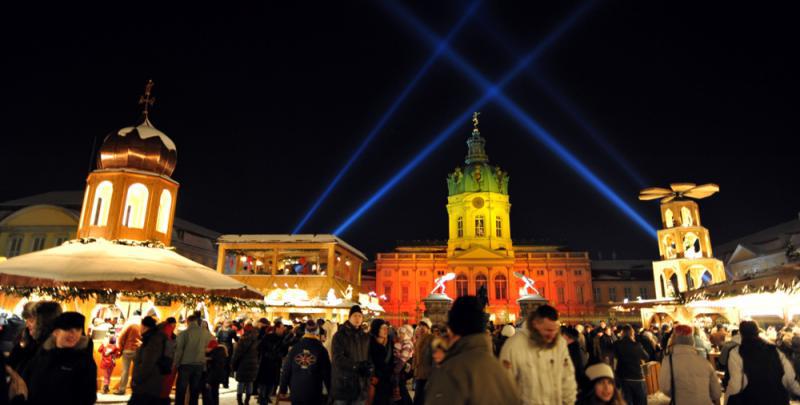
(135,206)
(101,204)
(164,208)
(479,229)
(460,227)
(498,226)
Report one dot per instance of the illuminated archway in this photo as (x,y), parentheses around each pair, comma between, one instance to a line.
(135,206)
(164,209)
(101,203)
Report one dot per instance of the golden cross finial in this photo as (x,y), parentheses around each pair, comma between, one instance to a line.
(147,99)
(475,119)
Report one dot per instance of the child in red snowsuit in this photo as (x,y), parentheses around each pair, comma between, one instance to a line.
(109,353)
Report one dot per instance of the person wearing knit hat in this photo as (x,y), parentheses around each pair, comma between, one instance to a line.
(686,376)
(603,390)
(351,364)
(63,371)
(307,369)
(538,359)
(148,368)
(355,309)
(469,373)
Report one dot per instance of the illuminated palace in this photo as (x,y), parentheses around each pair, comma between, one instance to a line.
(480,252)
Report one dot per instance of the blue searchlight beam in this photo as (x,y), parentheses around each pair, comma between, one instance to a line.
(437,52)
(494,92)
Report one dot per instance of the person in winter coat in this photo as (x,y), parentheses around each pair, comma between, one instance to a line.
(226,336)
(351,366)
(506,332)
(129,341)
(63,370)
(216,372)
(39,326)
(422,360)
(271,351)
(168,329)
(190,360)
(695,381)
(380,353)
(571,335)
(630,356)
(307,369)
(147,378)
(538,359)
(403,353)
(109,353)
(602,390)
(245,363)
(759,372)
(469,373)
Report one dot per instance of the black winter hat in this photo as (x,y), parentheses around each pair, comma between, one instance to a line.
(354,309)
(149,321)
(466,316)
(69,320)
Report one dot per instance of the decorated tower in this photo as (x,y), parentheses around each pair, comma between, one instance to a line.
(684,245)
(131,194)
(477,204)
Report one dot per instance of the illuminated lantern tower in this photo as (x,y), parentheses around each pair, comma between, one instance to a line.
(684,245)
(131,194)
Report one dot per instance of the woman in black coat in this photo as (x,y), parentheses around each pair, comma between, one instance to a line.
(245,363)
(148,379)
(216,372)
(382,356)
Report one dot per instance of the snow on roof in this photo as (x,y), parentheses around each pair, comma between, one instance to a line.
(147,130)
(290,238)
(108,263)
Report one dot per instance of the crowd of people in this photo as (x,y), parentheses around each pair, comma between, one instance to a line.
(467,360)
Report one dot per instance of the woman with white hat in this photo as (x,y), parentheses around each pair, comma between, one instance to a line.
(603,389)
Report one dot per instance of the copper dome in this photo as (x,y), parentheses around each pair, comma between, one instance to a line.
(142,147)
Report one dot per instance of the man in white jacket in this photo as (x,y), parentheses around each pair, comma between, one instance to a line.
(538,360)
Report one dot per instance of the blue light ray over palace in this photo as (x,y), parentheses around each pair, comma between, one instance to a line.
(437,52)
(569,108)
(494,92)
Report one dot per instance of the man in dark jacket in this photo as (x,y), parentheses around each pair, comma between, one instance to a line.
(39,318)
(351,365)
(147,377)
(630,355)
(271,352)
(307,368)
(469,374)
(571,335)
(63,370)
(245,362)
(226,336)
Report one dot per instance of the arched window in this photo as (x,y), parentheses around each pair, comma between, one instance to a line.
(673,282)
(135,206)
(663,287)
(498,227)
(479,226)
(462,285)
(164,208)
(686,217)
(707,278)
(500,287)
(669,218)
(689,281)
(691,246)
(669,247)
(102,201)
(481,281)
(460,227)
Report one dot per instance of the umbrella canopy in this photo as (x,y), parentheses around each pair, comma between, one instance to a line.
(101,264)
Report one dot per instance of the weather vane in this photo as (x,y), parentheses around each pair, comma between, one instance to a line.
(147,99)
(475,119)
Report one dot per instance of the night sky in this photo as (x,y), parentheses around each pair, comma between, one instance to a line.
(267,103)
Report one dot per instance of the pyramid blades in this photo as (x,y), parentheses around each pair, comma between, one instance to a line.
(682,187)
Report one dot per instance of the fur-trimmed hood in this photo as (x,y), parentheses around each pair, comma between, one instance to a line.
(50,343)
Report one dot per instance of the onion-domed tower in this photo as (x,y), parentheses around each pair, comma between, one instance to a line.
(477,204)
(131,194)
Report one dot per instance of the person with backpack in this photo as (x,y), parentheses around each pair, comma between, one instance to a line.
(759,372)
(147,365)
(306,370)
(686,376)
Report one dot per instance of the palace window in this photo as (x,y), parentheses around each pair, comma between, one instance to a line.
(101,204)
(539,272)
(423,291)
(559,272)
(560,293)
(14,245)
(61,239)
(627,291)
(404,293)
(578,272)
(38,243)
(135,206)
(462,285)
(481,281)
(164,208)
(500,287)
(498,227)
(612,294)
(405,273)
(460,227)
(597,295)
(479,229)
(643,292)
(387,291)
(579,293)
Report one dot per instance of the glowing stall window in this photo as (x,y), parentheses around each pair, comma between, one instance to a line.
(691,246)
(460,227)
(686,217)
(479,229)
(498,226)
(135,206)
(164,208)
(102,201)
(500,287)
(461,285)
(669,218)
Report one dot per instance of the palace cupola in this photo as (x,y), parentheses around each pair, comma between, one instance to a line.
(131,194)
(478,203)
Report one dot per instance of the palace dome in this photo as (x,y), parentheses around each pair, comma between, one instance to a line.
(142,147)
(477,175)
